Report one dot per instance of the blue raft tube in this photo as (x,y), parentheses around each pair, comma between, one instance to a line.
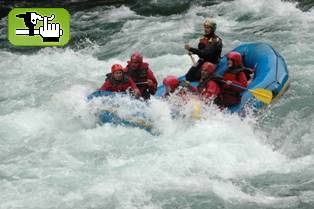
(271,73)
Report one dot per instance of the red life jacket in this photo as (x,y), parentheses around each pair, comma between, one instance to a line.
(118,86)
(202,86)
(231,95)
(140,74)
(206,40)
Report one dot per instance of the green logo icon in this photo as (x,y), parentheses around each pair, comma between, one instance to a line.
(39,26)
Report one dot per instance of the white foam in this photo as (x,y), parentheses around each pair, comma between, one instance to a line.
(50,137)
(110,14)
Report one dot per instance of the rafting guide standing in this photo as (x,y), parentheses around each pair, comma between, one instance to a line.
(208,50)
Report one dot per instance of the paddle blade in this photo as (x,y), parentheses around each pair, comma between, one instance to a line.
(263,95)
(197,111)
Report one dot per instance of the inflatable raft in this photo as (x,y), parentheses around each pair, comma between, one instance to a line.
(110,110)
(271,73)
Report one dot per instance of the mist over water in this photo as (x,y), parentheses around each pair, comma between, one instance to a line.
(54,154)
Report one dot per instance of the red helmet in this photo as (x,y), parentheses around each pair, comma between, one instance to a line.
(236,58)
(137,56)
(171,81)
(116,68)
(209,67)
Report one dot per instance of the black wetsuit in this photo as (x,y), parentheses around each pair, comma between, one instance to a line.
(209,50)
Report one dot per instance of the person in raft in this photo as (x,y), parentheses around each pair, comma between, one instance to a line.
(235,74)
(208,87)
(171,83)
(142,75)
(118,81)
(208,50)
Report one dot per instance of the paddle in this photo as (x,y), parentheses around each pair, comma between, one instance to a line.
(197,111)
(263,95)
(192,58)
(141,83)
(260,94)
